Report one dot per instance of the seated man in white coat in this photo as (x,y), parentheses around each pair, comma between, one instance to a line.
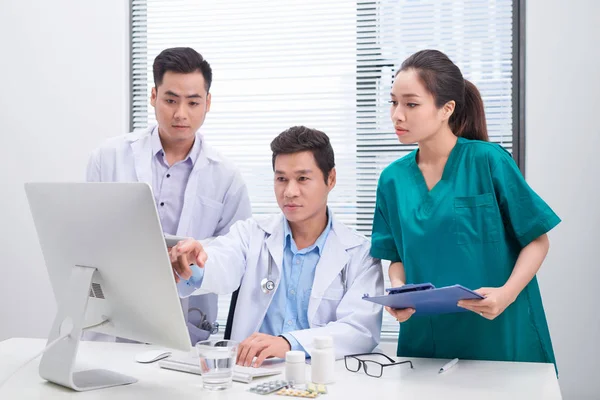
(300,274)
(198,193)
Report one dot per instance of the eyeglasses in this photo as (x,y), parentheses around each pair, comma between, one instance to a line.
(372,368)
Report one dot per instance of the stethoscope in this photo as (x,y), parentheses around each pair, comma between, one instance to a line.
(204,323)
(267,285)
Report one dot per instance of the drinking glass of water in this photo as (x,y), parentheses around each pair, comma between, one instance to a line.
(217,359)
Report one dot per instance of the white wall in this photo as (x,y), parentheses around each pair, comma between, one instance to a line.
(563,165)
(64,74)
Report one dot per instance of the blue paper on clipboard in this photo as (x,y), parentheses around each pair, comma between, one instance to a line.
(425,298)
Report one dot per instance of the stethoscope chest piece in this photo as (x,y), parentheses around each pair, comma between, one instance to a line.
(267,285)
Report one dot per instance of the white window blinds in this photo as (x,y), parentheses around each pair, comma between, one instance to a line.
(326,64)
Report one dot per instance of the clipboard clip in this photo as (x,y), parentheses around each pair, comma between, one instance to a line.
(410,287)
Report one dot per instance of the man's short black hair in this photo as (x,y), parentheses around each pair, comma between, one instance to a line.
(183,60)
(300,138)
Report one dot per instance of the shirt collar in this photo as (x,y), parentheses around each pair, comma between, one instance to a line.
(157,148)
(319,243)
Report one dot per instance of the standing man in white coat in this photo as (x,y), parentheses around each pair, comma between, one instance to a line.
(301,273)
(198,192)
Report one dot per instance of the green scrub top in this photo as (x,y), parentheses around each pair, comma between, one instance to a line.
(469,230)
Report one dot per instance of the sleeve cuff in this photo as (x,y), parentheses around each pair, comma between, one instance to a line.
(544,226)
(186,288)
(294,344)
(384,254)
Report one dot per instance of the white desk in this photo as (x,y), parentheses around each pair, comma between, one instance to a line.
(467,380)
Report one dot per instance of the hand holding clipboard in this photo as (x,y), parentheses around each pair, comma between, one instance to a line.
(425,299)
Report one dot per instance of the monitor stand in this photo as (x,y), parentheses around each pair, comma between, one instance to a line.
(58,363)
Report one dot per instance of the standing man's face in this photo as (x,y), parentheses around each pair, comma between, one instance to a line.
(300,186)
(180,103)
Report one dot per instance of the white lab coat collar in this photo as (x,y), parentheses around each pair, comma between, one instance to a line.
(273,225)
(333,258)
(141,145)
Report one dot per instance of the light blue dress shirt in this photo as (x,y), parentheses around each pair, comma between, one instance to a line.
(169,183)
(288,310)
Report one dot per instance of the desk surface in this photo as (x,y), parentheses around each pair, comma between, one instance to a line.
(467,380)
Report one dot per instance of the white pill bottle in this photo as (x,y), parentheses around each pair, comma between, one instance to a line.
(322,360)
(295,367)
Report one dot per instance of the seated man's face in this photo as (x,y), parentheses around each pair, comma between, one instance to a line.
(300,186)
(181,103)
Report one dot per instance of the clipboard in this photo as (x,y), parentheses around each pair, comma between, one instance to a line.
(425,298)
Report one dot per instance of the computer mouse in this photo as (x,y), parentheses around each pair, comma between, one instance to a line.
(151,356)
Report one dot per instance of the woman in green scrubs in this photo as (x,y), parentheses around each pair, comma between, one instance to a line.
(458,211)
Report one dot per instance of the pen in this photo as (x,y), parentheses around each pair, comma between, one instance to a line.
(449,365)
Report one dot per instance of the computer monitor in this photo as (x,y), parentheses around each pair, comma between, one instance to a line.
(107,261)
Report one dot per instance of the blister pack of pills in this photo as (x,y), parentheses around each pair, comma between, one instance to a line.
(297,393)
(316,388)
(270,387)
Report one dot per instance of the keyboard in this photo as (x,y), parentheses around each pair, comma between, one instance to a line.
(190,363)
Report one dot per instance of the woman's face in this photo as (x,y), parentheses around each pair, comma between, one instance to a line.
(414,113)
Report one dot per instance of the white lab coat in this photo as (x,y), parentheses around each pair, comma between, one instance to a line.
(343,274)
(215,197)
